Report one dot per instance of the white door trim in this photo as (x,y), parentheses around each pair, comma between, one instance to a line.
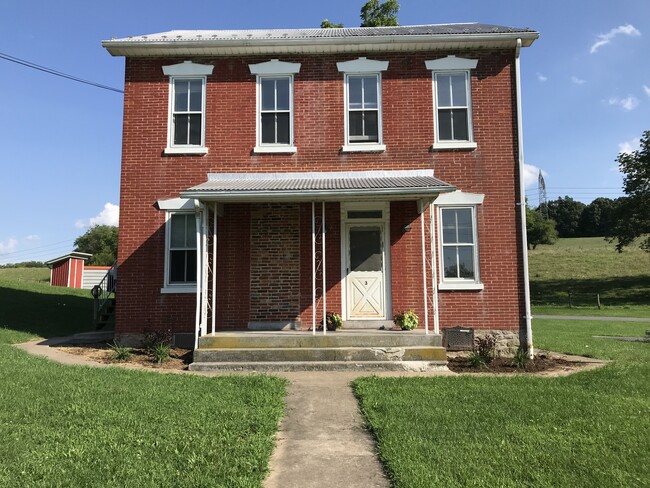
(384,221)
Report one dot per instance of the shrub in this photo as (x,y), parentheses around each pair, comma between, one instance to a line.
(521,359)
(120,352)
(158,344)
(475,360)
(160,352)
(333,321)
(406,320)
(485,347)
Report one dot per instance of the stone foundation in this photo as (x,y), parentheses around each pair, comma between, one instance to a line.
(508,341)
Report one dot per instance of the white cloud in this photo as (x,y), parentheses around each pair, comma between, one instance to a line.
(629,146)
(629,103)
(531,174)
(578,81)
(646,89)
(32,237)
(8,246)
(110,215)
(604,39)
(541,77)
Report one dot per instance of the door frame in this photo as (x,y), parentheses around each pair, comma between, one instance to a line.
(384,223)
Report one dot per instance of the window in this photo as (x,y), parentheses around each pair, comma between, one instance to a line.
(363,117)
(452,102)
(458,244)
(274,105)
(187,100)
(181,249)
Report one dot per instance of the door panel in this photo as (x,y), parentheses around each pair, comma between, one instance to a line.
(365,280)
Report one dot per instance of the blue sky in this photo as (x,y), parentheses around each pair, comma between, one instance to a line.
(585,84)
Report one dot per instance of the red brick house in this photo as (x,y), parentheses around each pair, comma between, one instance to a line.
(271,175)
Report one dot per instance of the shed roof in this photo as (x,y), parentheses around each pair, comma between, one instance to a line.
(72,255)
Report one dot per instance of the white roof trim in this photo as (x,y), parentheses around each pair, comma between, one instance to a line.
(451,62)
(460,198)
(318,175)
(176,204)
(188,68)
(362,65)
(274,67)
(72,255)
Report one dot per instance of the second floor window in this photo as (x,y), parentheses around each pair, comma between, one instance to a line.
(453,108)
(187,111)
(275,110)
(363,108)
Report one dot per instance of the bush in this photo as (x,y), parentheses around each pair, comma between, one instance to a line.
(160,352)
(120,352)
(521,359)
(158,344)
(406,320)
(485,348)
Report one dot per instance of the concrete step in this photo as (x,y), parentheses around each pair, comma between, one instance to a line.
(368,324)
(316,354)
(279,366)
(291,339)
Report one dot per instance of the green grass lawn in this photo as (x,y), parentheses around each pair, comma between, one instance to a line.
(590,429)
(587,267)
(79,426)
(34,275)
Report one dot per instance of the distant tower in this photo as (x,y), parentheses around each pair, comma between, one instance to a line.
(541,185)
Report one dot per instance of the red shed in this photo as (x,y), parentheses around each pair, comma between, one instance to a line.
(68,270)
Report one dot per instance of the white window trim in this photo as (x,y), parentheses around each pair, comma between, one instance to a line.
(360,67)
(459,199)
(174,204)
(186,70)
(452,65)
(274,69)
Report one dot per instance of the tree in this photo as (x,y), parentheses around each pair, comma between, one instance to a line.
(633,214)
(597,218)
(376,14)
(566,212)
(101,242)
(538,229)
(326,24)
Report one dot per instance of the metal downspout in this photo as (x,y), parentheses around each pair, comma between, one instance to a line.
(522,207)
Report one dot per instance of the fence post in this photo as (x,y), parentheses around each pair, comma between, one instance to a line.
(570,301)
(598,300)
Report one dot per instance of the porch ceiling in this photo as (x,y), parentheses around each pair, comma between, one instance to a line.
(370,185)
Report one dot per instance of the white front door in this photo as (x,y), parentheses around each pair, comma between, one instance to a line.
(365,271)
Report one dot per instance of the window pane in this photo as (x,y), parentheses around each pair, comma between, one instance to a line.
(191,231)
(177,231)
(364,214)
(355,97)
(466,261)
(464,219)
(459,93)
(370,92)
(356,124)
(449,255)
(180,129)
(371,126)
(443,83)
(196,92)
(195,129)
(177,266)
(282,88)
(444,125)
(180,95)
(461,131)
(283,128)
(449,226)
(190,272)
(268,128)
(268,94)
(365,249)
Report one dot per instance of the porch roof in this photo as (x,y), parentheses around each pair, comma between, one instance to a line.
(307,186)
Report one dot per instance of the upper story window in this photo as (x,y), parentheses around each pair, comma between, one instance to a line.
(363,112)
(186,128)
(457,215)
(275,105)
(452,102)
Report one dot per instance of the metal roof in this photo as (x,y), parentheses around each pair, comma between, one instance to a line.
(318,186)
(318,40)
(72,255)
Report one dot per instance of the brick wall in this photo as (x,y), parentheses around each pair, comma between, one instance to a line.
(149,175)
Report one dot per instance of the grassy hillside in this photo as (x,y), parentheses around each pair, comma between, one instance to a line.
(35,275)
(586,267)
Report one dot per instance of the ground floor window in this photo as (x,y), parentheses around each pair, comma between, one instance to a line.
(459,248)
(181,249)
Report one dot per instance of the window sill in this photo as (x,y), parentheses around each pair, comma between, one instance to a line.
(185,150)
(351,148)
(275,149)
(178,289)
(442,146)
(461,286)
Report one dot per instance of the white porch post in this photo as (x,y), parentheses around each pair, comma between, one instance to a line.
(422,209)
(434,270)
(204,271)
(313,268)
(324,274)
(197,324)
(214,266)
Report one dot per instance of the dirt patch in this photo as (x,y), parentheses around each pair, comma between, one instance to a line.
(540,364)
(102,353)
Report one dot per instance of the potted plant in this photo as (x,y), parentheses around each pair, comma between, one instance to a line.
(333,321)
(406,320)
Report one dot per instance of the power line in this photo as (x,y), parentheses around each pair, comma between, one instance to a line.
(51,71)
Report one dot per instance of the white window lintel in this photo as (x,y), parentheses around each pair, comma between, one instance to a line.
(362,65)
(176,204)
(451,63)
(274,67)
(459,198)
(188,68)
